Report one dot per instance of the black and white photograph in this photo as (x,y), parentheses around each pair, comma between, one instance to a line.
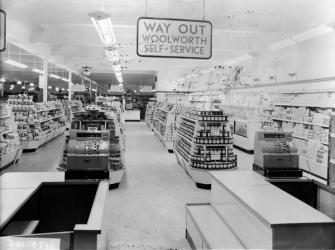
(167,124)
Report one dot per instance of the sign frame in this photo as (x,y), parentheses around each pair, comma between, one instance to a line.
(4,32)
(175,19)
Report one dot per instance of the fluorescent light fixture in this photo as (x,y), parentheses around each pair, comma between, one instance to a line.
(50,87)
(322,29)
(54,76)
(112,55)
(2,80)
(39,71)
(281,44)
(15,63)
(64,79)
(18,82)
(31,84)
(57,89)
(103,24)
(63,89)
(243,57)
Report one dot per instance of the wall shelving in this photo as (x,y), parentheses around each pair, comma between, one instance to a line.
(10,147)
(311,129)
(37,123)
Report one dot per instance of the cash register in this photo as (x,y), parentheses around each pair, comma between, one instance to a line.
(275,155)
(92,149)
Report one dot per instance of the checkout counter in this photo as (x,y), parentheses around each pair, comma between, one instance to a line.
(274,207)
(43,206)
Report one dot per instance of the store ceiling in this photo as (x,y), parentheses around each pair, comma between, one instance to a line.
(62,30)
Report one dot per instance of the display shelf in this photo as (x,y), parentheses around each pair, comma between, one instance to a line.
(311,128)
(307,139)
(37,123)
(10,148)
(301,122)
(204,145)
(161,118)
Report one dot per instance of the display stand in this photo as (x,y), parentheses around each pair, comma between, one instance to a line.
(203,143)
(164,123)
(149,114)
(247,212)
(76,106)
(310,126)
(11,149)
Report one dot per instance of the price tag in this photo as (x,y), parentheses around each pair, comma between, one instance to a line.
(215,156)
(215,131)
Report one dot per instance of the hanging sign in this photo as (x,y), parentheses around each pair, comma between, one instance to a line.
(175,38)
(2,30)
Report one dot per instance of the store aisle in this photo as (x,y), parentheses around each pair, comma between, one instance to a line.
(149,206)
(44,159)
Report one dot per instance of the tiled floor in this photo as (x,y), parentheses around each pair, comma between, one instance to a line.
(148,209)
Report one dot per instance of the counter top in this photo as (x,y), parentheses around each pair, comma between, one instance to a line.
(17,188)
(29,179)
(273,205)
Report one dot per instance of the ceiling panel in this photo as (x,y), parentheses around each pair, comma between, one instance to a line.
(62,29)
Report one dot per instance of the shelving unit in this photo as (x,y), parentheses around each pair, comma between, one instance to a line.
(204,142)
(149,114)
(76,106)
(310,126)
(37,123)
(249,113)
(10,148)
(164,123)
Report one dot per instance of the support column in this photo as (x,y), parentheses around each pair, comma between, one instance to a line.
(69,86)
(45,80)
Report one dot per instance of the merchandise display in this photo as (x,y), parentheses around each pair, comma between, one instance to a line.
(149,114)
(37,123)
(93,149)
(204,142)
(250,113)
(10,147)
(76,106)
(164,123)
(67,111)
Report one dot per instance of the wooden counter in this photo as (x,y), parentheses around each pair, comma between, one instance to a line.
(258,215)
(70,211)
(17,188)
